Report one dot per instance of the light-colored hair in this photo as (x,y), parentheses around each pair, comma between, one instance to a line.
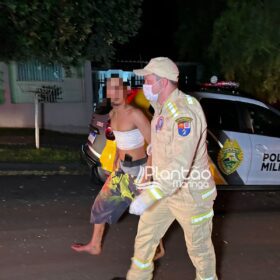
(172,82)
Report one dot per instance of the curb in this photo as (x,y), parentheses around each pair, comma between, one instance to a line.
(41,172)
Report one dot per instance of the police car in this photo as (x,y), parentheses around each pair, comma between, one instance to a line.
(243,136)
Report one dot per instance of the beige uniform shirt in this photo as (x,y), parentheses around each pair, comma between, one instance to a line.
(179,151)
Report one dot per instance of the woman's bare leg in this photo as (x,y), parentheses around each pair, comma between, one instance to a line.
(94,246)
(160,251)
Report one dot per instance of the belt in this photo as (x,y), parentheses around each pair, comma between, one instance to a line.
(134,163)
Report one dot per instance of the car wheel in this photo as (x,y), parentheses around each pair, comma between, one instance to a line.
(97,175)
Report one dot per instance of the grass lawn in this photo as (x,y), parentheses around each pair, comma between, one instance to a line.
(42,155)
(17,145)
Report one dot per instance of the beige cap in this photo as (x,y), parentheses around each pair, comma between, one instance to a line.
(160,66)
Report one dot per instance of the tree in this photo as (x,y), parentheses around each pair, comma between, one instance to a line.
(66,32)
(195,28)
(246,42)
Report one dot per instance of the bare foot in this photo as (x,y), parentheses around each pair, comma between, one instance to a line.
(88,248)
(160,252)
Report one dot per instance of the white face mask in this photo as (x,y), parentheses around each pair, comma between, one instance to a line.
(148,92)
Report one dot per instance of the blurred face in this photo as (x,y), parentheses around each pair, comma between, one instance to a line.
(116,91)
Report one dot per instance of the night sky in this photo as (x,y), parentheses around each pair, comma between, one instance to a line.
(156,35)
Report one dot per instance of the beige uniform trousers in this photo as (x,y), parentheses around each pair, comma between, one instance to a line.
(196,222)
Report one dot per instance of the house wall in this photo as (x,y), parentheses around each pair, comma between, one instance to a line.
(72,117)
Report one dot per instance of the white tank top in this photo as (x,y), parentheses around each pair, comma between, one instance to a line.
(129,140)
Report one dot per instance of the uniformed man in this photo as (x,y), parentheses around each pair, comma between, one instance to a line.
(182,186)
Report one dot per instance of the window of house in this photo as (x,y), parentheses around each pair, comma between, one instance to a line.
(35,71)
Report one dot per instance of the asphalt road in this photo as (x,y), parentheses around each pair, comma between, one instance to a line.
(41,216)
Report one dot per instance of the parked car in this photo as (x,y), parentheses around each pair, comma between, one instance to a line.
(243,138)
(243,135)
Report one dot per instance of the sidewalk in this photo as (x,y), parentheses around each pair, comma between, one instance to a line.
(22,137)
(42,169)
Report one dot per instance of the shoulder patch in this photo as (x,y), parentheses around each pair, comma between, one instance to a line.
(184,126)
(183,119)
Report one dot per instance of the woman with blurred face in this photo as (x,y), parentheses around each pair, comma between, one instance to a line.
(131,129)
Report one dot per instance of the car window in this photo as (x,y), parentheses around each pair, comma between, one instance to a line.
(220,114)
(264,121)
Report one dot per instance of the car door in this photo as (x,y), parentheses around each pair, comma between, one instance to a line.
(229,147)
(265,139)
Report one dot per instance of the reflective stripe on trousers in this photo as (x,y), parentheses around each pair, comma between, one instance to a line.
(141,265)
(208,278)
(208,193)
(202,217)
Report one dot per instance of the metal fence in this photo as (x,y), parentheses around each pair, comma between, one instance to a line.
(190,74)
(99,78)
